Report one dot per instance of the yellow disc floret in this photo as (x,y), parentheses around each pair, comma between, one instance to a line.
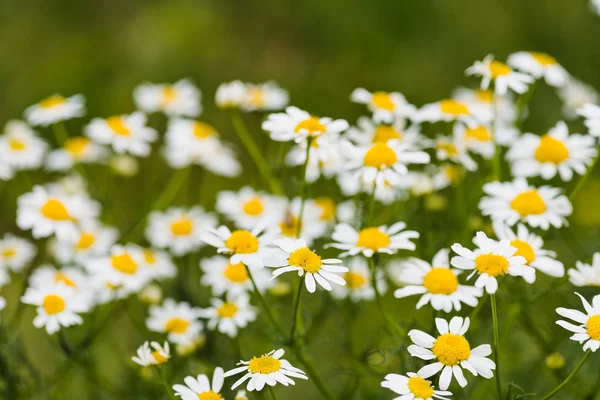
(451,349)
(593,327)
(373,238)
(117,124)
(491,264)
(453,107)
(355,280)
(524,249)
(52,101)
(543,58)
(551,150)
(253,206)
(420,388)
(383,133)
(306,259)
(264,365)
(242,242)
(528,203)
(227,310)
(53,304)
(182,227)
(383,100)
(124,263)
(55,210)
(313,125)
(499,69)
(177,325)
(440,281)
(379,156)
(236,273)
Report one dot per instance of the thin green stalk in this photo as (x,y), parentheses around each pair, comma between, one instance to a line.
(568,378)
(312,374)
(164,382)
(496,343)
(60,133)
(263,302)
(393,327)
(272,392)
(296,309)
(303,187)
(371,205)
(255,153)
(522,104)
(584,178)
(479,306)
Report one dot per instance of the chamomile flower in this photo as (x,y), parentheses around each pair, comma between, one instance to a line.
(437,282)
(552,153)
(158,264)
(247,207)
(374,239)
(92,239)
(224,277)
(413,387)
(586,274)
(296,256)
(385,192)
(200,387)
(20,147)
(330,211)
(179,229)
(539,65)
(57,305)
(46,214)
(125,133)
(449,110)
(358,282)
(179,99)
(230,94)
(591,113)
(264,97)
(386,107)
(490,260)
(515,201)
(221,161)
(178,320)
(155,356)
(313,226)
(477,139)
(54,109)
(452,352)
(367,132)
(574,95)
(247,247)
(75,150)
(502,75)
(123,268)
(298,125)
(505,108)
(15,252)
(587,328)
(454,149)
(230,315)
(324,158)
(530,246)
(71,276)
(268,369)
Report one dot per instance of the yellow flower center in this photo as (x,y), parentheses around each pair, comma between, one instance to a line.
(420,387)
(53,304)
(76,145)
(8,253)
(451,349)
(305,259)
(354,280)
(383,100)
(209,396)
(379,156)
(593,327)
(52,101)
(242,242)
(177,325)
(159,358)
(440,281)
(203,130)
(256,97)
(117,124)
(543,58)
(236,273)
(383,133)
(524,249)
(16,145)
(86,240)
(551,150)
(453,107)
(60,277)
(253,206)
(182,227)
(168,95)
(149,256)
(499,69)
(485,96)
(55,210)
(491,264)
(313,125)
(264,365)
(449,148)
(373,238)
(289,226)
(327,206)
(452,172)
(124,263)
(227,310)
(480,133)
(528,203)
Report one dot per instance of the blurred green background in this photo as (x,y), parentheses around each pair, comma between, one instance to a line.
(320,51)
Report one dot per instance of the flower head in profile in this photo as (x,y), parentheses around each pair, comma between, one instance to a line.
(248,207)
(313,225)
(268,369)
(413,387)
(450,110)
(15,252)
(20,147)
(374,239)
(201,387)
(229,315)
(54,109)
(452,352)
(455,149)
(71,276)
(539,65)
(179,99)
(477,139)
(125,133)
(586,274)
(358,282)
(122,267)
(178,320)
(385,106)
(75,150)
(586,329)
(368,132)
(298,125)
(224,277)
(266,96)
(156,355)
(92,240)
(230,94)
(503,76)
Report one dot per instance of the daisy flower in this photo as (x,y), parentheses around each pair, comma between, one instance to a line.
(178,320)
(313,227)
(367,132)
(386,107)
(530,246)
(455,149)
(515,201)
(57,305)
(125,133)
(552,153)
(200,387)
(296,256)
(502,75)
(15,252)
(371,240)
(158,264)
(230,94)
(587,328)
(449,110)
(92,239)
(179,229)
(477,139)
(179,99)
(358,282)
(55,108)
(46,214)
(46,274)
(591,113)
(226,278)
(230,315)
(413,387)
(20,147)
(247,207)
(385,192)
(123,267)
(437,282)
(452,352)
(324,158)
(264,97)
(504,105)
(539,65)
(586,274)
(268,369)
(490,260)
(75,150)
(155,356)
(574,95)
(298,125)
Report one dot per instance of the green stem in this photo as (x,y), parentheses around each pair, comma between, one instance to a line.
(479,306)
(165,384)
(255,153)
(303,187)
(312,374)
(497,162)
(60,133)
(263,302)
(522,104)
(371,205)
(272,392)
(568,378)
(296,309)
(584,178)
(392,326)
(496,343)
